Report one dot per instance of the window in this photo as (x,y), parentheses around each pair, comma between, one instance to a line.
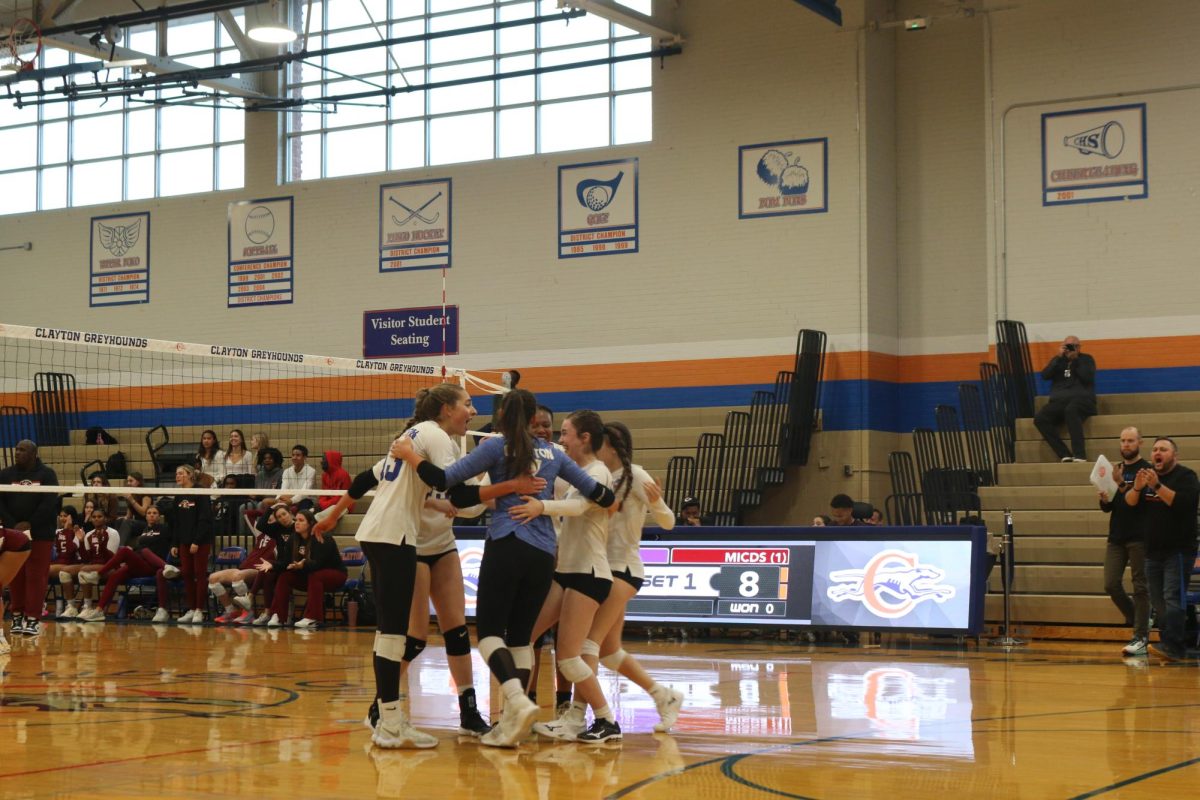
(452,103)
(106,150)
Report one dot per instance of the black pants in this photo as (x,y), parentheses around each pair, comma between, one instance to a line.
(1073,411)
(393,575)
(514,579)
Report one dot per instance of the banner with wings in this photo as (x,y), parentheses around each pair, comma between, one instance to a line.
(120,260)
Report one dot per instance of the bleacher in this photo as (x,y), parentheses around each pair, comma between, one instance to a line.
(1059,529)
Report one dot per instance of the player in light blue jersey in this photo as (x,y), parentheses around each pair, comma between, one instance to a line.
(518,559)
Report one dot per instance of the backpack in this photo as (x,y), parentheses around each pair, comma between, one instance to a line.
(366,607)
(97,435)
(115,466)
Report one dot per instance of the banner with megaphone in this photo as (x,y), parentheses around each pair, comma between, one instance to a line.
(1094,154)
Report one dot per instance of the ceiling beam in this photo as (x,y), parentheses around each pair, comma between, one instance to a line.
(77,43)
(245,44)
(606,9)
(52,11)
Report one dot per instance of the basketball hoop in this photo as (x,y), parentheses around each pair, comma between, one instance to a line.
(23,43)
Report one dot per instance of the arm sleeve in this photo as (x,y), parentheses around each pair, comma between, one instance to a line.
(570,507)
(464,495)
(485,456)
(598,493)
(475,509)
(364,482)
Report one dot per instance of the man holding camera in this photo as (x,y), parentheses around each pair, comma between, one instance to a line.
(1072,376)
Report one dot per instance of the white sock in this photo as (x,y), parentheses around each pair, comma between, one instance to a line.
(512,688)
(605,713)
(658,691)
(391,713)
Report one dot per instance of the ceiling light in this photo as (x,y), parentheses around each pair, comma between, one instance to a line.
(270,25)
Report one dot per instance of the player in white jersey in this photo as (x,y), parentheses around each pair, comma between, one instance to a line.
(389,534)
(439,577)
(582,581)
(637,494)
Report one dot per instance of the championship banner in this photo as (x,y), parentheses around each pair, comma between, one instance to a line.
(598,208)
(1090,155)
(409,332)
(260,252)
(119,260)
(414,225)
(779,178)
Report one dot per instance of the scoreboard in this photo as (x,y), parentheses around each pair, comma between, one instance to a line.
(861,578)
(686,580)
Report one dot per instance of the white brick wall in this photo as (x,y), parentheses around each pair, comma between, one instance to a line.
(706,284)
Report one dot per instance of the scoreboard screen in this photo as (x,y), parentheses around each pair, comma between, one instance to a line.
(860,578)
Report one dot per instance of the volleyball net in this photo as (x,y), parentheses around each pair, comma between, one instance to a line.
(73,392)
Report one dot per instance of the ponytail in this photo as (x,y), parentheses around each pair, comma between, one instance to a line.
(621,441)
(515,412)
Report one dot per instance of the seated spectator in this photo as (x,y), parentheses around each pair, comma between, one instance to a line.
(841,511)
(136,505)
(146,557)
(317,565)
(821,520)
(259,442)
(85,519)
(689,513)
(99,546)
(248,570)
(298,480)
(237,460)
(107,502)
(225,509)
(333,477)
(211,458)
(1072,376)
(269,475)
(875,518)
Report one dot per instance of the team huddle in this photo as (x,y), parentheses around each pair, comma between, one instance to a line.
(531,576)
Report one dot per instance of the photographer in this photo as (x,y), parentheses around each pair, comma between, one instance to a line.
(1072,376)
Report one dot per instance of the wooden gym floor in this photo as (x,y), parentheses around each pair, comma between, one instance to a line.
(134,710)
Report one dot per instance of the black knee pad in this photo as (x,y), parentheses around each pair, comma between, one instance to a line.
(413,648)
(458,641)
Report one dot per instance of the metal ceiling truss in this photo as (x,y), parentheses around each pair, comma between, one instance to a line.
(239,79)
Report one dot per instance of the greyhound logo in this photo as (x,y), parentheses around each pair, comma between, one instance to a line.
(891,584)
(119,239)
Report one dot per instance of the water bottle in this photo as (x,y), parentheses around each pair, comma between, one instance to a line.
(352,613)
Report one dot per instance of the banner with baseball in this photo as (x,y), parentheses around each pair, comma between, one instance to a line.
(780,178)
(260,252)
(414,225)
(1090,155)
(598,208)
(120,260)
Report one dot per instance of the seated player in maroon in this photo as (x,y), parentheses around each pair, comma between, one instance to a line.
(144,558)
(264,551)
(99,545)
(316,564)
(68,540)
(280,527)
(15,547)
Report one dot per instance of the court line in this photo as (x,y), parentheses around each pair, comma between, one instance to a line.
(727,762)
(153,756)
(1136,779)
